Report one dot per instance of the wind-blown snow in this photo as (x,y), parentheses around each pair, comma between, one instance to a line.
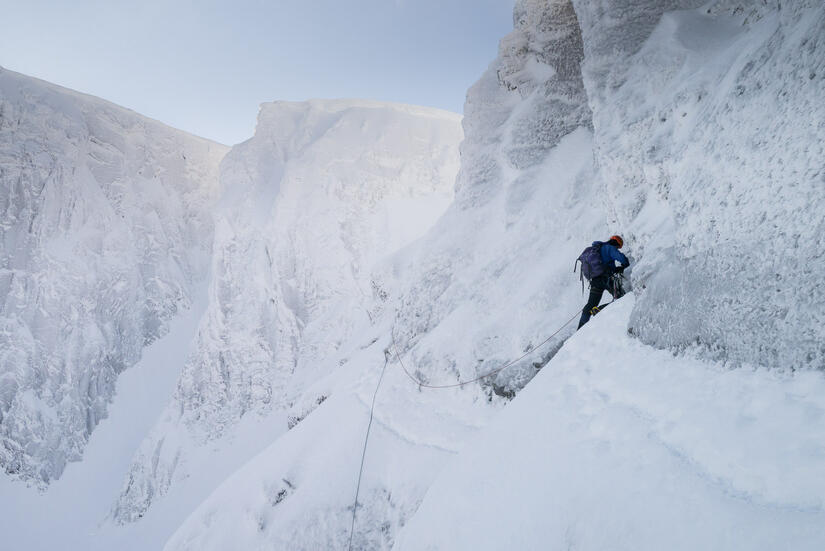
(104,226)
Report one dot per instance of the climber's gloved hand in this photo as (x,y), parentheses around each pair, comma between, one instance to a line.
(620,269)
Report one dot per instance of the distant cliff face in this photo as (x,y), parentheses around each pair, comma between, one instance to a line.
(709,141)
(104,225)
(313,204)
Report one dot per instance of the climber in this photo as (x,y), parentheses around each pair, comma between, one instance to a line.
(598,265)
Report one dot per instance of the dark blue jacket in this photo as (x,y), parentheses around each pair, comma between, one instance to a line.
(611,255)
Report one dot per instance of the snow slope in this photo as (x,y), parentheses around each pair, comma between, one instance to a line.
(105,225)
(313,203)
(617,445)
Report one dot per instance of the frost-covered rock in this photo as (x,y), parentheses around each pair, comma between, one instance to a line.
(311,205)
(104,224)
(709,138)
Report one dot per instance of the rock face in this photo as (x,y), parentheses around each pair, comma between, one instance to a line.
(324,192)
(105,224)
(709,132)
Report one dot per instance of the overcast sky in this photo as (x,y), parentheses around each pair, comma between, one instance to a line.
(204,66)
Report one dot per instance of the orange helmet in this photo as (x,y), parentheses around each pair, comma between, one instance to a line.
(618,239)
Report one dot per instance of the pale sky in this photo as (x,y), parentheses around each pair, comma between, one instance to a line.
(205,66)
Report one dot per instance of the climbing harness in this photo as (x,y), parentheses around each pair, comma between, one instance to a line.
(616,291)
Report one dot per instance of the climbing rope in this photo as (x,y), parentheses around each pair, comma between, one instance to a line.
(491,373)
(422,384)
(364,451)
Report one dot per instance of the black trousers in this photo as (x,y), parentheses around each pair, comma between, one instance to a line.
(598,285)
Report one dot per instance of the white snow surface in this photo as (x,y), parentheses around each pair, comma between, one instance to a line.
(72,512)
(105,226)
(617,445)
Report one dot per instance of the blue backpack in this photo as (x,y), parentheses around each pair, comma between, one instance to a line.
(591,262)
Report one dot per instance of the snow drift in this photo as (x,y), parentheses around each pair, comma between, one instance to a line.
(105,226)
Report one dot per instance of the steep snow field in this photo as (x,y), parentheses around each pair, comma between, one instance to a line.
(492,279)
(414,431)
(616,445)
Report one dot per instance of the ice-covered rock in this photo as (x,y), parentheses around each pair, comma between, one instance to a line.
(105,222)
(709,140)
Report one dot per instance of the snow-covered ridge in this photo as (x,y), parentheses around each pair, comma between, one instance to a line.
(337,105)
(104,225)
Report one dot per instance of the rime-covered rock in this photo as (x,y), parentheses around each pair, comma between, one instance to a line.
(105,222)
(709,132)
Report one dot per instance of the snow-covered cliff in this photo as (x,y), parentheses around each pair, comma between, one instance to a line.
(105,223)
(313,204)
(492,279)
